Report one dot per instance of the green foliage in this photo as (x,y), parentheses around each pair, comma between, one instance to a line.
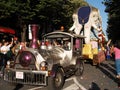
(6,8)
(78,3)
(49,14)
(113,10)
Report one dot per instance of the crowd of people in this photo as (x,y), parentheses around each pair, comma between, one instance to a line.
(8,50)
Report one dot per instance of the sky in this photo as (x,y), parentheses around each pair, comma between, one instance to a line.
(98,4)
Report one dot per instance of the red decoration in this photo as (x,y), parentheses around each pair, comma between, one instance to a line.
(7,30)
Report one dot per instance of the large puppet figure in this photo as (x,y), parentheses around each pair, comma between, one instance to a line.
(86,18)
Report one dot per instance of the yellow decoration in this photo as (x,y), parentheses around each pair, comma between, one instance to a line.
(87,49)
(95,51)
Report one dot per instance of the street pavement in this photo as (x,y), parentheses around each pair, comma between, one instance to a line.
(102,77)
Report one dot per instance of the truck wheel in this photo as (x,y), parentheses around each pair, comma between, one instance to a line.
(79,68)
(56,82)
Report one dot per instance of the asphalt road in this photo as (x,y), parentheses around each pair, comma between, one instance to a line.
(100,77)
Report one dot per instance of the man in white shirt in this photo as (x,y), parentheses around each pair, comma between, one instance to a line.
(4,50)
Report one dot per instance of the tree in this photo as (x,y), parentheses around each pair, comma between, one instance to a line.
(49,14)
(113,10)
(19,11)
(78,3)
(55,13)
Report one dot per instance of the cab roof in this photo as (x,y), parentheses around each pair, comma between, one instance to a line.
(56,34)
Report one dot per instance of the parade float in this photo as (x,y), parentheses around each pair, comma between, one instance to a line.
(87,21)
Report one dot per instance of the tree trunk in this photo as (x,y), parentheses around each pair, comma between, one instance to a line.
(23,33)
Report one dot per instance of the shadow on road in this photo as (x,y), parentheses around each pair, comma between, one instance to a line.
(94,86)
(109,70)
(18,86)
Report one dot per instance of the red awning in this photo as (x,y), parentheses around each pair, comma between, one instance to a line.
(7,30)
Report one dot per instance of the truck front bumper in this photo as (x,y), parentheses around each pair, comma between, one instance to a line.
(26,76)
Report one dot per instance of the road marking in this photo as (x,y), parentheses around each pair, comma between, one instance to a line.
(35,88)
(68,79)
(72,87)
(78,84)
(75,86)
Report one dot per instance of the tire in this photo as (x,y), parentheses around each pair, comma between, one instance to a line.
(79,68)
(56,82)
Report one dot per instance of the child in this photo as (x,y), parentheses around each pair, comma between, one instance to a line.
(108,55)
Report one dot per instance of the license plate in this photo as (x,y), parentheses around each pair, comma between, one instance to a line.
(19,75)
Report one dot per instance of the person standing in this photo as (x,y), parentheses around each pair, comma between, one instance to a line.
(5,48)
(108,55)
(116,50)
(0,54)
(1,61)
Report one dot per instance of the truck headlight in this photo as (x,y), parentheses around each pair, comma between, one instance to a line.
(43,66)
(8,64)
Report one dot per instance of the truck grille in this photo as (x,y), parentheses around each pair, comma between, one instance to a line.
(26,76)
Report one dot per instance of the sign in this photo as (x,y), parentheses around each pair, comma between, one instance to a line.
(19,75)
